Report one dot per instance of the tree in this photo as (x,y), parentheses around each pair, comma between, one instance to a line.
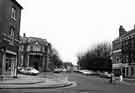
(55,58)
(97,58)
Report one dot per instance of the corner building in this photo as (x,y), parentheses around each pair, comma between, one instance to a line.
(34,52)
(123,53)
(10,16)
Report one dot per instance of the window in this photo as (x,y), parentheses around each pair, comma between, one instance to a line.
(21,48)
(13,13)
(43,49)
(11,32)
(28,48)
(36,48)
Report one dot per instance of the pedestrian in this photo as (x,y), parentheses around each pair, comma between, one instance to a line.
(112,78)
(121,78)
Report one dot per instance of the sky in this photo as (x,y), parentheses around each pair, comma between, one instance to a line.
(74,26)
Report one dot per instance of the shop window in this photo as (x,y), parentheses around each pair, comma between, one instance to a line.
(8,64)
(132,71)
(126,71)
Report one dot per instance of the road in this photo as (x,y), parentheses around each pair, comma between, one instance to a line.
(84,84)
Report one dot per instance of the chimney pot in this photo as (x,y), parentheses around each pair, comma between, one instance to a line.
(24,35)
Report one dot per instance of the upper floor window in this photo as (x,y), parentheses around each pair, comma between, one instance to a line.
(21,48)
(43,49)
(12,35)
(13,13)
(28,48)
(11,32)
(35,48)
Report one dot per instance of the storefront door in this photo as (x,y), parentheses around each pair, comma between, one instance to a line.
(10,65)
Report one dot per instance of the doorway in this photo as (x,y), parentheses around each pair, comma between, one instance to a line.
(35,61)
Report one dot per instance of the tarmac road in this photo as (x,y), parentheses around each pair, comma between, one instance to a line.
(84,84)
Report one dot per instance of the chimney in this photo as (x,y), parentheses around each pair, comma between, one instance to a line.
(122,30)
(24,35)
(134,26)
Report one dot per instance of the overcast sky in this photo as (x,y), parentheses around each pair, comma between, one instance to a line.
(73,26)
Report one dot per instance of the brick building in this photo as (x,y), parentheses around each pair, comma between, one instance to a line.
(10,16)
(34,52)
(123,53)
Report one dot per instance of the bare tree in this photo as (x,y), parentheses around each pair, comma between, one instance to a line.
(97,58)
(55,58)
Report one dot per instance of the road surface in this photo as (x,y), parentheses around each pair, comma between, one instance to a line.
(84,84)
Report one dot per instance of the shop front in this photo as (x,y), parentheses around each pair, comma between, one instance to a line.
(120,69)
(8,63)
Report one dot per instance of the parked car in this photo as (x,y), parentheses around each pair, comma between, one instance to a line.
(76,70)
(108,75)
(86,72)
(64,70)
(58,70)
(28,70)
(105,75)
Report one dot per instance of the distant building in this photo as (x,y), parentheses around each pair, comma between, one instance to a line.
(10,16)
(68,66)
(34,52)
(123,53)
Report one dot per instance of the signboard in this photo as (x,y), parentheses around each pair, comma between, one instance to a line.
(116,65)
(36,54)
(9,39)
(119,65)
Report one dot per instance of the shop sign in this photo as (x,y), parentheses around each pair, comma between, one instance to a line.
(116,65)
(9,39)
(119,65)
(36,54)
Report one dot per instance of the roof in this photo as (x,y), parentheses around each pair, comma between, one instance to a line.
(116,40)
(124,35)
(33,40)
(17,4)
(128,33)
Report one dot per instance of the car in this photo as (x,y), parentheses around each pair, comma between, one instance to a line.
(105,75)
(58,70)
(86,72)
(28,70)
(108,75)
(19,69)
(76,70)
(64,70)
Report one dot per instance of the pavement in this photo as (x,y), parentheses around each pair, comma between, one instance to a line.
(129,81)
(126,81)
(41,81)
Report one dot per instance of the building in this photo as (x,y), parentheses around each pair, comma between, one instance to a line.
(10,16)
(34,52)
(123,53)
(68,66)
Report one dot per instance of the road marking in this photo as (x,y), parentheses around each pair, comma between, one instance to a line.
(84,92)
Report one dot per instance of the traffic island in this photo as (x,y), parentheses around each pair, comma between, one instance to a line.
(34,83)
(41,85)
